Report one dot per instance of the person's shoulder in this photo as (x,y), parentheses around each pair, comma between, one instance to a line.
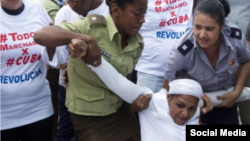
(232,31)
(185,45)
(96,19)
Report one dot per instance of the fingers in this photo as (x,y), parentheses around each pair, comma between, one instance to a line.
(77,48)
(147,100)
(73,52)
(51,23)
(142,102)
(208,105)
(221,97)
(93,56)
(63,66)
(64,21)
(65,78)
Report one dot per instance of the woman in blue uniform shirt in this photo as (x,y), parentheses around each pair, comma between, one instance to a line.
(212,53)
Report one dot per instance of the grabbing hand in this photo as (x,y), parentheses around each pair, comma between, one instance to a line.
(93,56)
(141,103)
(229,99)
(77,48)
(208,105)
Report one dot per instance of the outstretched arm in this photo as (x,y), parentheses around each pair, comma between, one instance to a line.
(117,83)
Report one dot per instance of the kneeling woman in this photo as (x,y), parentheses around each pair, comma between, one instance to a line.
(167,112)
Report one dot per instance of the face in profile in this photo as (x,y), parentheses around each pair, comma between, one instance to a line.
(81,7)
(206,30)
(130,19)
(182,107)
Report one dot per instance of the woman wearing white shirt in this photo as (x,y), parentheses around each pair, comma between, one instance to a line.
(168,112)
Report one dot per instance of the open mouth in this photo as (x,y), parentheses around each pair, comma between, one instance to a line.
(203,41)
(183,119)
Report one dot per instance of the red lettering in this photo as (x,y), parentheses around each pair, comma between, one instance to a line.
(13,36)
(17,61)
(3,47)
(173,14)
(186,18)
(10,47)
(26,36)
(26,59)
(32,34)
(19,37)
(158,9)
(20,45)
(25,51)
(15,47)
(169,22)
(30,44)
(25,44)
(175,21)
(38,58)
(185,4)
(181,19)
(33,58)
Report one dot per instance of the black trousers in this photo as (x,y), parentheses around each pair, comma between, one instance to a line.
(53,78)
(37,131)
(221,116)
(65,130)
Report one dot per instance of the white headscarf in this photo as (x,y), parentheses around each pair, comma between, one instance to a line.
(185,86)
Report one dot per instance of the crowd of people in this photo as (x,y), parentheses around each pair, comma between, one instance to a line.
(122,70)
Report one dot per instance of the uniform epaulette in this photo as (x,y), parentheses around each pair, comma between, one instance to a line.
(97,19)
(234,32)
(185,47)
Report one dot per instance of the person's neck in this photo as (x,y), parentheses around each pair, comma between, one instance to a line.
(13,11)
(12,5)
(213,49)
(95,4)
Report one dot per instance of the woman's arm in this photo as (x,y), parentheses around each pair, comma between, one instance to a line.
(52,36)
(117,83)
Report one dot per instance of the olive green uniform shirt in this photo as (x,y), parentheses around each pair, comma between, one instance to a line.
(86,93)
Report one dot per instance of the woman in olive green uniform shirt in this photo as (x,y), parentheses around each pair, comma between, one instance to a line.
(97,113)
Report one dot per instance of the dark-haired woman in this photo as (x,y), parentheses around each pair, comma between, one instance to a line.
(212,53)
(96,112)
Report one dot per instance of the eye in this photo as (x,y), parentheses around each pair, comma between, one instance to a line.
(180,105)
(209,28)
(198,27)
(192,108)
(137,13)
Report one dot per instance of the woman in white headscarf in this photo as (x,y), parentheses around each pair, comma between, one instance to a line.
(168,112)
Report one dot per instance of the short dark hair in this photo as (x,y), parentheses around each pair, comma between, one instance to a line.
(217,9)
(183,74)
(120,3)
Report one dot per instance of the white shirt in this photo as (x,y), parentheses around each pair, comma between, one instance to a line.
(66,13)
(158,125)
(25,92)
(166,22)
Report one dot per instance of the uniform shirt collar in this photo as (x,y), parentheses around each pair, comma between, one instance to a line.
(112,30)
(133,41)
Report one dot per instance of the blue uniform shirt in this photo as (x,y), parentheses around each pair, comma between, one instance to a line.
(189,56)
